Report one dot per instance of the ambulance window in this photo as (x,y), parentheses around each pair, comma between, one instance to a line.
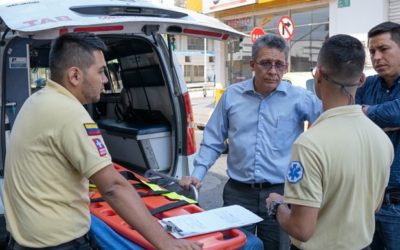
(38,78)
(39,65)
(114,84)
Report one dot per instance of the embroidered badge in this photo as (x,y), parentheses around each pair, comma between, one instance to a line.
(100,146)
(295,172)
(92,129)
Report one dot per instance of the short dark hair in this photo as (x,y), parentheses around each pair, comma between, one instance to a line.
(342,57)
(391,27)
(73,49)
(272,41)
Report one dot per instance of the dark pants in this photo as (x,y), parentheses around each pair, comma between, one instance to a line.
(387,228)
(293,247)
(268,230)
(81,243)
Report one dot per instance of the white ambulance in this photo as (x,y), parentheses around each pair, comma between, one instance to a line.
(145,115)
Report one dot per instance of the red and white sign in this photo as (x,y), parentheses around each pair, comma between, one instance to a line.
(256,33)
(286,27)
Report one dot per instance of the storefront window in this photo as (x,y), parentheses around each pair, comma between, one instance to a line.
(311,30)
(244,24)
(269,22)
(195,43)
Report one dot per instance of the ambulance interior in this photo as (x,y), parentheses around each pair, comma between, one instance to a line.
(135,112)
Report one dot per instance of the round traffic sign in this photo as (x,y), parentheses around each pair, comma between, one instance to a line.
(286,27)
(256,33)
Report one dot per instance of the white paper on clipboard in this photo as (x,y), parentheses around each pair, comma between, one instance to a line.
(209,221)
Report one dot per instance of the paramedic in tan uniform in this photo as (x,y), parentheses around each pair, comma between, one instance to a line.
(340,167)
(55,148)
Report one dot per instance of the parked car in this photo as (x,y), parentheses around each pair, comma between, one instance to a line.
(301,79)
(146,84)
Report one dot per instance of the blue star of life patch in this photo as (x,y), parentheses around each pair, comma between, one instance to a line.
(295,172)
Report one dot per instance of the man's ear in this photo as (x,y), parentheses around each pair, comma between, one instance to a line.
(252,65)
(74,75)
(362,80)
(318,76)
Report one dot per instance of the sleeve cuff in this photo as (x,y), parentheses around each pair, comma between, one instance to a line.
(199,172)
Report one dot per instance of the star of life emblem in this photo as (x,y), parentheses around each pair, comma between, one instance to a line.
(295,172)
(100,146)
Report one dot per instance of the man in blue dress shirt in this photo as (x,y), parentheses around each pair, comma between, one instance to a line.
(261,117)
(379,96)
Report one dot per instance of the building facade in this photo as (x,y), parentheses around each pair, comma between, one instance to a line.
(313,22)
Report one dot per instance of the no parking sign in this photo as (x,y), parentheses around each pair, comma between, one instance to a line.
(286,27)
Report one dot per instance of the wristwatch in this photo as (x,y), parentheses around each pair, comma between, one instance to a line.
(273,208)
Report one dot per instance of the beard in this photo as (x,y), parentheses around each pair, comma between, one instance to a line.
(89,92)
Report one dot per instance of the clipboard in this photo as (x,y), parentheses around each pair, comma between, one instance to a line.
(213,220)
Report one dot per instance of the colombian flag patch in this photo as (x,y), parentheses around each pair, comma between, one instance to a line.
(92,129)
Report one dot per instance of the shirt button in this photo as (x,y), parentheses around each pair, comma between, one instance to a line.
(262,117)
(257,171)
(387,91)
(258,153)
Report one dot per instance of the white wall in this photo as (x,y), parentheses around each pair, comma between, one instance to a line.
(357,19)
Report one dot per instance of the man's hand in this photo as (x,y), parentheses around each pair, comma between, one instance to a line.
(186,181)
(273,197)
(365,109)
(390,129)
(180,244)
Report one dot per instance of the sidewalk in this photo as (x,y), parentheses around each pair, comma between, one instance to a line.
(202,107)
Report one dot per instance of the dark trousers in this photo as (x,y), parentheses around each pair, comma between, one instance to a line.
(81,243)
(253,199)
(293,247)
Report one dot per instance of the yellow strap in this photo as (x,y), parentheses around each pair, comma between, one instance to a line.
(155,187)
(171,195)
(92,187)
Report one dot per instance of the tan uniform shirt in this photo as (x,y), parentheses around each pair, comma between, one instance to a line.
(341,166)
(54,148)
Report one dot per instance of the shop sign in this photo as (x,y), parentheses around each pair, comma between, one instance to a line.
(343,3)
(218,5)
(241,24)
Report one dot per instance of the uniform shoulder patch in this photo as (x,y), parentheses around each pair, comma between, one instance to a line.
(295,172)
(92,128)
(100,146)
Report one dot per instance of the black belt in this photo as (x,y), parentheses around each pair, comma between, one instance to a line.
(293,247)
(13,245)
(392,198)
(259,185)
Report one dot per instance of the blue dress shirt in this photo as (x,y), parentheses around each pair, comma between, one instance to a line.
(261,131)
(384,111)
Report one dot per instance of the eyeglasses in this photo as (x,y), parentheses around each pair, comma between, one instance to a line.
(267,65)
(314,71)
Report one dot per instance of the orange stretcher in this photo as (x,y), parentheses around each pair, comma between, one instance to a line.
(228,239)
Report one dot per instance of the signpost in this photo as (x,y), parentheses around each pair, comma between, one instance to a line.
(286,27)
(256,33)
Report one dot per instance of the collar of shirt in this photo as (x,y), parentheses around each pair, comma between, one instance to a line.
(53,86)
(249,88)
(338,111)
(384,85)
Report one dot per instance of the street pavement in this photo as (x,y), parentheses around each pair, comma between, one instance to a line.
(210,194)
